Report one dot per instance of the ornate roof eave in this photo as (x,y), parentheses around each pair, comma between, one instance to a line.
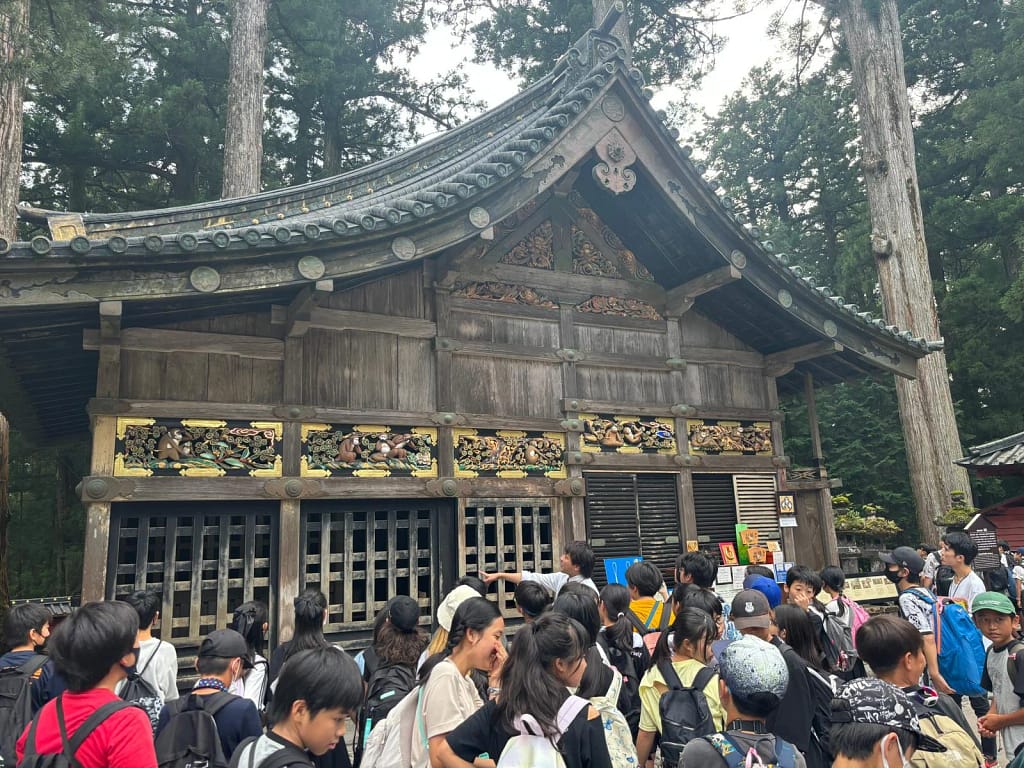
(444,191)
(1005,452)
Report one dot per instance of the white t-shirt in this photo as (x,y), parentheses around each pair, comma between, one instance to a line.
(555,581)
(1006,699)
(931,564)
(253,684)
(449,698)
(967,589)
(1018,575)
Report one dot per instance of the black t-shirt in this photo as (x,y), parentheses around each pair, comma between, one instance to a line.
(582,745)
(803,716)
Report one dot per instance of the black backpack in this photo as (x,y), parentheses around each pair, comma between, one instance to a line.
(16,703)
(281,758)
(190,737)
(629,694)
(141,692)
(943,580)
(386,688)
(685,714)
(66,758)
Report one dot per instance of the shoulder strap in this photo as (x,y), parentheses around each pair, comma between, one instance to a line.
(668,672)
(785,753)
(236,758)
(150,659)
(665,613)
(95,720)
(213,703)
(1011,660)
(286,756)
(34,664)
(727,750)
(640,627)
(702,678)
(569,710)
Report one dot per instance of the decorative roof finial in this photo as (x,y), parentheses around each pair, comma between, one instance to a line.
(610,18)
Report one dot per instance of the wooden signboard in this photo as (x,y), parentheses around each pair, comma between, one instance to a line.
(983,533)
(869,588)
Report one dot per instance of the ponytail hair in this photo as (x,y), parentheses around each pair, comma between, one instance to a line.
(691,624)
(476,613)
(309,622)
(525,689)
(248,620)
(583,608)
(615,599)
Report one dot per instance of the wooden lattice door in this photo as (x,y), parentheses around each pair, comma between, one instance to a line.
(362,553)
(205,559)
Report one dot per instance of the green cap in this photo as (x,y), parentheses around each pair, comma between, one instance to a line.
(993,601)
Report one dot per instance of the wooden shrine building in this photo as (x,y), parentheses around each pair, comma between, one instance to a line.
(1001,458)
(542,325)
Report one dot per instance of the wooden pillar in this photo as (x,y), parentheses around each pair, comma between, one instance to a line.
(829,544)
(289,565)
(96,552)
(812,418)
(687,507)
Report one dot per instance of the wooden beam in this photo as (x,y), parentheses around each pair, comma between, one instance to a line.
(160,340)
(781,363)
(108,372)
(679,300)
(345,320)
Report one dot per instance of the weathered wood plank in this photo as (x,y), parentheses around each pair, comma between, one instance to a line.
(345,320)
(162,340)
(781,363)
(679,300)
(289,573)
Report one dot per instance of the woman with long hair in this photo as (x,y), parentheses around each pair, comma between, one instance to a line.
(448,694)
(546,660)
(617,630)
(252,620)
(797,630)
(686,650)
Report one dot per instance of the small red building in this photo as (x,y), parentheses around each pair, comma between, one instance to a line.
(1000,458)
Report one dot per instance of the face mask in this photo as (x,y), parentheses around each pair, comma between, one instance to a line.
(893,576)
(904,763)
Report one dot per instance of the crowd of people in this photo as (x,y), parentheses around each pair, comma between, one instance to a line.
(791,675)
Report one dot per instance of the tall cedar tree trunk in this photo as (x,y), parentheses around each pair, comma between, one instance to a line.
(621,28)
(872,33)
(5,513)
(243,133)
(13,39)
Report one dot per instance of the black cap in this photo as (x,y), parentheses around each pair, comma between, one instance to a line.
(904,557)
(224,644)
(404,613)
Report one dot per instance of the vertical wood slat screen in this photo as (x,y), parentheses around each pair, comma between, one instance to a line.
(756,504)
(362,554)
(714,500)
(510,535)
(658,507)
(203,564)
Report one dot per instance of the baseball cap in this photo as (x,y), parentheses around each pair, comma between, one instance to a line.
(872,701)
(451,603)
(766,586)
(750,609)
(224,644)
(904,557)
(993,601)
(403,613)
(750,665)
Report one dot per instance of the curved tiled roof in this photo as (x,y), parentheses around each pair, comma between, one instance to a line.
(427,184)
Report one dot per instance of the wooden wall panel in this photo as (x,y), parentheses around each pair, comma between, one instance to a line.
(506,387)
(698,331)
(230,378)
(373,375)
(619,341)
(474,326)
(400,294)
(142,374)
(626,385)
(186,375)
(325,368)
(417,383)
(749,388)
(715,384)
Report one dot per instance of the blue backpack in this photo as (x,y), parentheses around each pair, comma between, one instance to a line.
(960,647)
(785,753)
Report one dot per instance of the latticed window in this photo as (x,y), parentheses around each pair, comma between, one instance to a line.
(203,564)
(508,535)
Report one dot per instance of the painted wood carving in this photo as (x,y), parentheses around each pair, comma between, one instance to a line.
(535,250)
(197,448)
(506,453)
(712,437)
(503,292)
(612,305)
(363,450)
(629,266)
(627,434)
(588,259)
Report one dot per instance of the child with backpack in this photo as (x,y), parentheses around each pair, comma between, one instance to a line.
(534,720)
(996,617)
(158,660)
(894,650)
(753,680)
(679,694)
(649,615)
(848,615)
(318,690)
(91,650)
(25,673)
(252,620)
(397,647)
(624,649)
(209,723)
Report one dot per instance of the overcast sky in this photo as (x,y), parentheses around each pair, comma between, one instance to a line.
(748,46)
